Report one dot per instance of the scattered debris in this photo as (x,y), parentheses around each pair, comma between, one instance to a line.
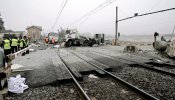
(32,50)
(112,83)
(138,99)
(93,98)
(132,49)
(16,66)
(21,70)
(159,61)
(86,89)
(92,76)
(17,84)
(57,46)
(124,91)
(71,90)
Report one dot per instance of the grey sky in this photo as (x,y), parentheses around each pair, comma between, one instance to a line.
(18,14)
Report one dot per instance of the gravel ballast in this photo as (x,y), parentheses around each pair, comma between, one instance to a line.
(107,89)
(44,73)
(160,86)
(62,92)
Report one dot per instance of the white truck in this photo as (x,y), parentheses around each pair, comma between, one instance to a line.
(73,38)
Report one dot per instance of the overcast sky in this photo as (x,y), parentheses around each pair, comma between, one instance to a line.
(18,14)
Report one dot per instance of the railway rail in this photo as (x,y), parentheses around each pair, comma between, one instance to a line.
(139,91)
(155,61)
(146,66)
(82,93)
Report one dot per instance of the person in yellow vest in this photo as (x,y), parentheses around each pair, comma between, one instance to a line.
(6,46)
(14,44)
(18,44)
(21,44)
(26,43)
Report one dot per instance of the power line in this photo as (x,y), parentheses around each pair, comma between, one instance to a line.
(146,14)
(83,21)
(93,11)
(97,11)
(102,6)
(88,13)
(87,17)
(59,14)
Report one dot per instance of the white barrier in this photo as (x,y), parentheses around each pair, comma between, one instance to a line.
(19,52)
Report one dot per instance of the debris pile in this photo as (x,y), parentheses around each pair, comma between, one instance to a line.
(17,84)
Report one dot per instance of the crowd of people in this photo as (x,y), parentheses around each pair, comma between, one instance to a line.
(14,44)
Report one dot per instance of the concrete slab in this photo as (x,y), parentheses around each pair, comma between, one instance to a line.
(113,63)
(98,64)
(61,71)
(75,62)
(47,68)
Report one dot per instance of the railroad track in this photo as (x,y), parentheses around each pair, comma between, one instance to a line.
(86,97)
(146,66)
(82,93)
(155,61)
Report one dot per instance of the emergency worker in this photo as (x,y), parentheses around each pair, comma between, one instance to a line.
(26,41)
(21,44)
(46,40)
(14,44)
(6,46)
(53,41)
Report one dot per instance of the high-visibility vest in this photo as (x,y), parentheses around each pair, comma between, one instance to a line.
(14,42)
(7,44)
(26,42)
(53,41)
(18,42)
(46,40)
(21,44)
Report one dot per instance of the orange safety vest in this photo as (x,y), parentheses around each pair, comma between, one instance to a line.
(46,40)
(53,41)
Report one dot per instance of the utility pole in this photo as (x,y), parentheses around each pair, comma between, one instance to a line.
(58,36)
(116,26)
